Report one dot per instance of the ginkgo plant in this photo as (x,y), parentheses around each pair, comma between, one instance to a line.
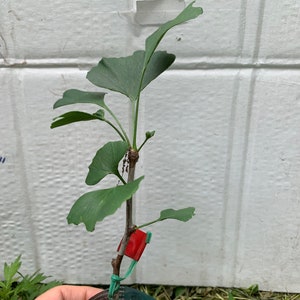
(129,76)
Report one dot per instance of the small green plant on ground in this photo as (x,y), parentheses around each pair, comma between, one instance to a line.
(16,286)
(128,76)
(213,293)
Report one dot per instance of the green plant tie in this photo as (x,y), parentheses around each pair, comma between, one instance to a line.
(115,280)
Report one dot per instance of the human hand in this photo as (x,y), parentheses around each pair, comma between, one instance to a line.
(69,292)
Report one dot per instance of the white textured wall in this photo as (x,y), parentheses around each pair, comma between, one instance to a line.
(227,120)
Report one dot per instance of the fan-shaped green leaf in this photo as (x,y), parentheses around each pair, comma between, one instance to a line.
(129,75)
(124,74)
(118,74)
(106,161)
(76,116)
(74,96)
(153,40)
(94,206)
(183,215)
(160,61)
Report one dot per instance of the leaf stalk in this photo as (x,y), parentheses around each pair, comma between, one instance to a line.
(125,136)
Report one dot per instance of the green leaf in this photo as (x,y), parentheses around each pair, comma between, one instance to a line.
(124,74)
(129,75)
(149,134)
(42,288)
(22,287)
(160,61)
(99,114)
(76,116)
(11,270)
(74,96)
(106,161)
(184,215)
(253,289)
(94,206)
(153,40)
(179,291)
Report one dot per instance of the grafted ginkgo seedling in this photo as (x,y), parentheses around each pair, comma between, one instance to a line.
(129,76)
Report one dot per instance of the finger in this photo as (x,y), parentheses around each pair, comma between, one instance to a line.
(69,292)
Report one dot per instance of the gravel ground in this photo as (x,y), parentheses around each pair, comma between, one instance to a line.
(194,293)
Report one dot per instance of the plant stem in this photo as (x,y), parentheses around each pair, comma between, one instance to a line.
(137,104)
(116,129)
(135,122)
(147,224)
(133,157)
(119,124)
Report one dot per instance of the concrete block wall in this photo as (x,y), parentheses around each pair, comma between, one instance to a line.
(227,120)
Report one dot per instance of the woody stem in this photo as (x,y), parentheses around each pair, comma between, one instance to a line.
(133,157)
